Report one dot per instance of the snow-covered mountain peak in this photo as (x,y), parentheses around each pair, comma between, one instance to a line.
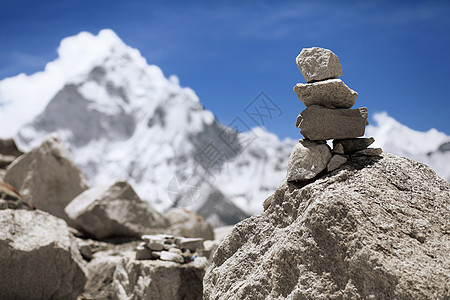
(394,137)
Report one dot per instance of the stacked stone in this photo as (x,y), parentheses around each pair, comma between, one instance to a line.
(328,116)
(170,248)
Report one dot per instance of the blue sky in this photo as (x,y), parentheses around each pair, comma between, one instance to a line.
(395,54)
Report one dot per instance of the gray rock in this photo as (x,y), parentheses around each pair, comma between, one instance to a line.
(355,144)
(190,243)
(337,149)
(47,177)
(320,123)
(8,147)
(376,229)
(142,252)
(114,211)
(39,258)
(170,256)
(188,224)
(369,152)
(307,160)
(317,64)
(331,93)
(154,242)
(121,276)
(336,162)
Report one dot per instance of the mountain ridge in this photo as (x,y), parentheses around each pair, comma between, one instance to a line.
(123,119)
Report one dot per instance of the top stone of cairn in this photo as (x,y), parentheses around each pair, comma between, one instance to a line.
(318,64)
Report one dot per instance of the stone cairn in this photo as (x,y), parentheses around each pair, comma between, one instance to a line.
(328,116)
(170,248)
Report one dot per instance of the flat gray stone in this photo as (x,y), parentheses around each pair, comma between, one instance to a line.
(317,64)
(337,149)
(333,93)
(190,243)
(353,145)
(320,123)
(170,256)
(114,211)
(47,177)
(369,152)
(335,162)
(307,160)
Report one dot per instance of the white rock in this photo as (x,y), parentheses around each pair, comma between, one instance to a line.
(318,64)
(307,160)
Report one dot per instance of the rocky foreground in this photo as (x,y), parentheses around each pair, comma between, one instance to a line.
(376,228)
(61,239)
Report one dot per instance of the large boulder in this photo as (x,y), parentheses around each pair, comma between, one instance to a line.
(319,123)
(333,93)
(47,177)
(317,64)
(121,276)
(114,211)
(377,228)
(185,223)
(38,257)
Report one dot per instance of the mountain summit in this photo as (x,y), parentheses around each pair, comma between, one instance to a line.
(123,119)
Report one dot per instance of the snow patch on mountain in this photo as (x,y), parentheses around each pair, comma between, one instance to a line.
(426,147)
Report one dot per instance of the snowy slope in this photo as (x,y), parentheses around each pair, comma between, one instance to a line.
(124,120)
(427,147)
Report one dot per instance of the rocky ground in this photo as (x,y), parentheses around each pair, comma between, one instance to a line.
(376,228)
(61,239)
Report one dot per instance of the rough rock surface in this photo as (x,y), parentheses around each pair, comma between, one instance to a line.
(333,93)
(123,277)
(113,211)
(353,145)
(320,123)
(369,152)
(46,177)
(307,160)
(8,147)
(375,229)
(318,64)
(38,257)
(188,224)
(335,162)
